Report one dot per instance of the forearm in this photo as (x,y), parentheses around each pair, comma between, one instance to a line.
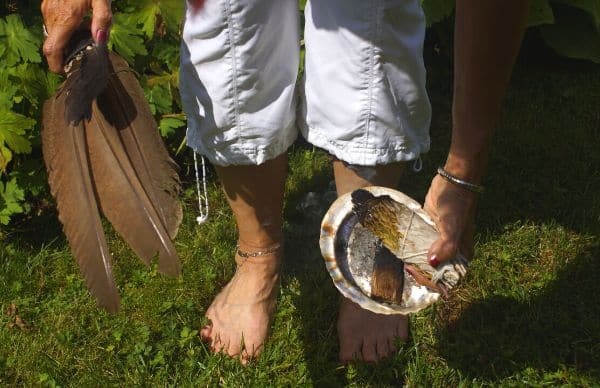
(487,38)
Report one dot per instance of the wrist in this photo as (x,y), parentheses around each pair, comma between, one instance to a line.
(467,169)
(469,186)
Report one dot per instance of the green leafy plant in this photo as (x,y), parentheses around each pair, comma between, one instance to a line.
(25,85)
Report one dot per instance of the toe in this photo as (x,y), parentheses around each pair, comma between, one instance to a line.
(350,350)
(391,344)
(383,350)
(252,351)
(205,333)
(219,344)
(369,350)
(248,355)
(232,349)
(402,329)
(245,357)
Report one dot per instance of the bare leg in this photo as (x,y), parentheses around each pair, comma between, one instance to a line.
(488,35)
(364,335)
(241,313)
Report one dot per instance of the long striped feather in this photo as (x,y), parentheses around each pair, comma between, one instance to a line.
(66,158)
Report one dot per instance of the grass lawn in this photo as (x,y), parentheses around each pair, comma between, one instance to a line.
(528,312)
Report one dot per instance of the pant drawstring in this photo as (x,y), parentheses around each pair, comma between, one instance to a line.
(202,199)
(417,165)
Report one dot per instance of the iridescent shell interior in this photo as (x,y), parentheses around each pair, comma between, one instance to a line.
(348,249)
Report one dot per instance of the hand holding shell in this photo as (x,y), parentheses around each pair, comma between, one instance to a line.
(351,231)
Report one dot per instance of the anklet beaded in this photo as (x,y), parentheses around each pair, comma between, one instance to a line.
(267,251)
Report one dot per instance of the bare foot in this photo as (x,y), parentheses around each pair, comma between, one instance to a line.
(241,313)
(366,336)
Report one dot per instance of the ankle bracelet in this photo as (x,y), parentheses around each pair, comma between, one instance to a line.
(269,250)
(459,182)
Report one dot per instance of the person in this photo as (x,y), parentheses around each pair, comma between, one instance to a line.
(363,99)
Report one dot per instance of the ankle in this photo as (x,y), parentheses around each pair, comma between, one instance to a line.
(259,240)
(264,254)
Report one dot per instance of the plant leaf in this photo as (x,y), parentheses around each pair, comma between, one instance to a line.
(36,83)
(158,93)
(592,7)
(161,14)
(126,39)
(5,157)
(11,196)
(169,124)
(7,92)
(12,127)
(540,12)
(437,10)
(20,42)
(573,35)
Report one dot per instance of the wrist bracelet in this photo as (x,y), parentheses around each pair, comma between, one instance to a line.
(459,182)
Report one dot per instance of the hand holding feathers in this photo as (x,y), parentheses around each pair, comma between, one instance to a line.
(103,152)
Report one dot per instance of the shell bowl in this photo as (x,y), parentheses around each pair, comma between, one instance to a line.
(349,249)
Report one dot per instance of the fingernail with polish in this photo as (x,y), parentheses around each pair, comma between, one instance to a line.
(101,36)
(433,261)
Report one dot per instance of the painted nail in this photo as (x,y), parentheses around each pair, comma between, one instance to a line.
(101,36)
(197,5)
(433,261)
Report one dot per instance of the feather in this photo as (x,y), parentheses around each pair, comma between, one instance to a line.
(131,116)
(66,158)
(87,76)
(122,196)
(136,180)
(391,221)
(114,160)
(387,280)
(395,224)
(381,215)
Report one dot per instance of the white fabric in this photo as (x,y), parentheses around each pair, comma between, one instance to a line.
(363,97)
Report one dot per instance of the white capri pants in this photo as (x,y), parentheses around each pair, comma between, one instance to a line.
(362,99)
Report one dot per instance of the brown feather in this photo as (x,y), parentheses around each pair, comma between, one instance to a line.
(387,281)
(117,160)
(66,158)
(126,109)
(86,79)
(122,196)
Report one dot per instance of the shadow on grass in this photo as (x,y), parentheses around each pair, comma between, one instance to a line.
(317,300)
(31,233)
(543,168)
(558,326)
(317,303)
